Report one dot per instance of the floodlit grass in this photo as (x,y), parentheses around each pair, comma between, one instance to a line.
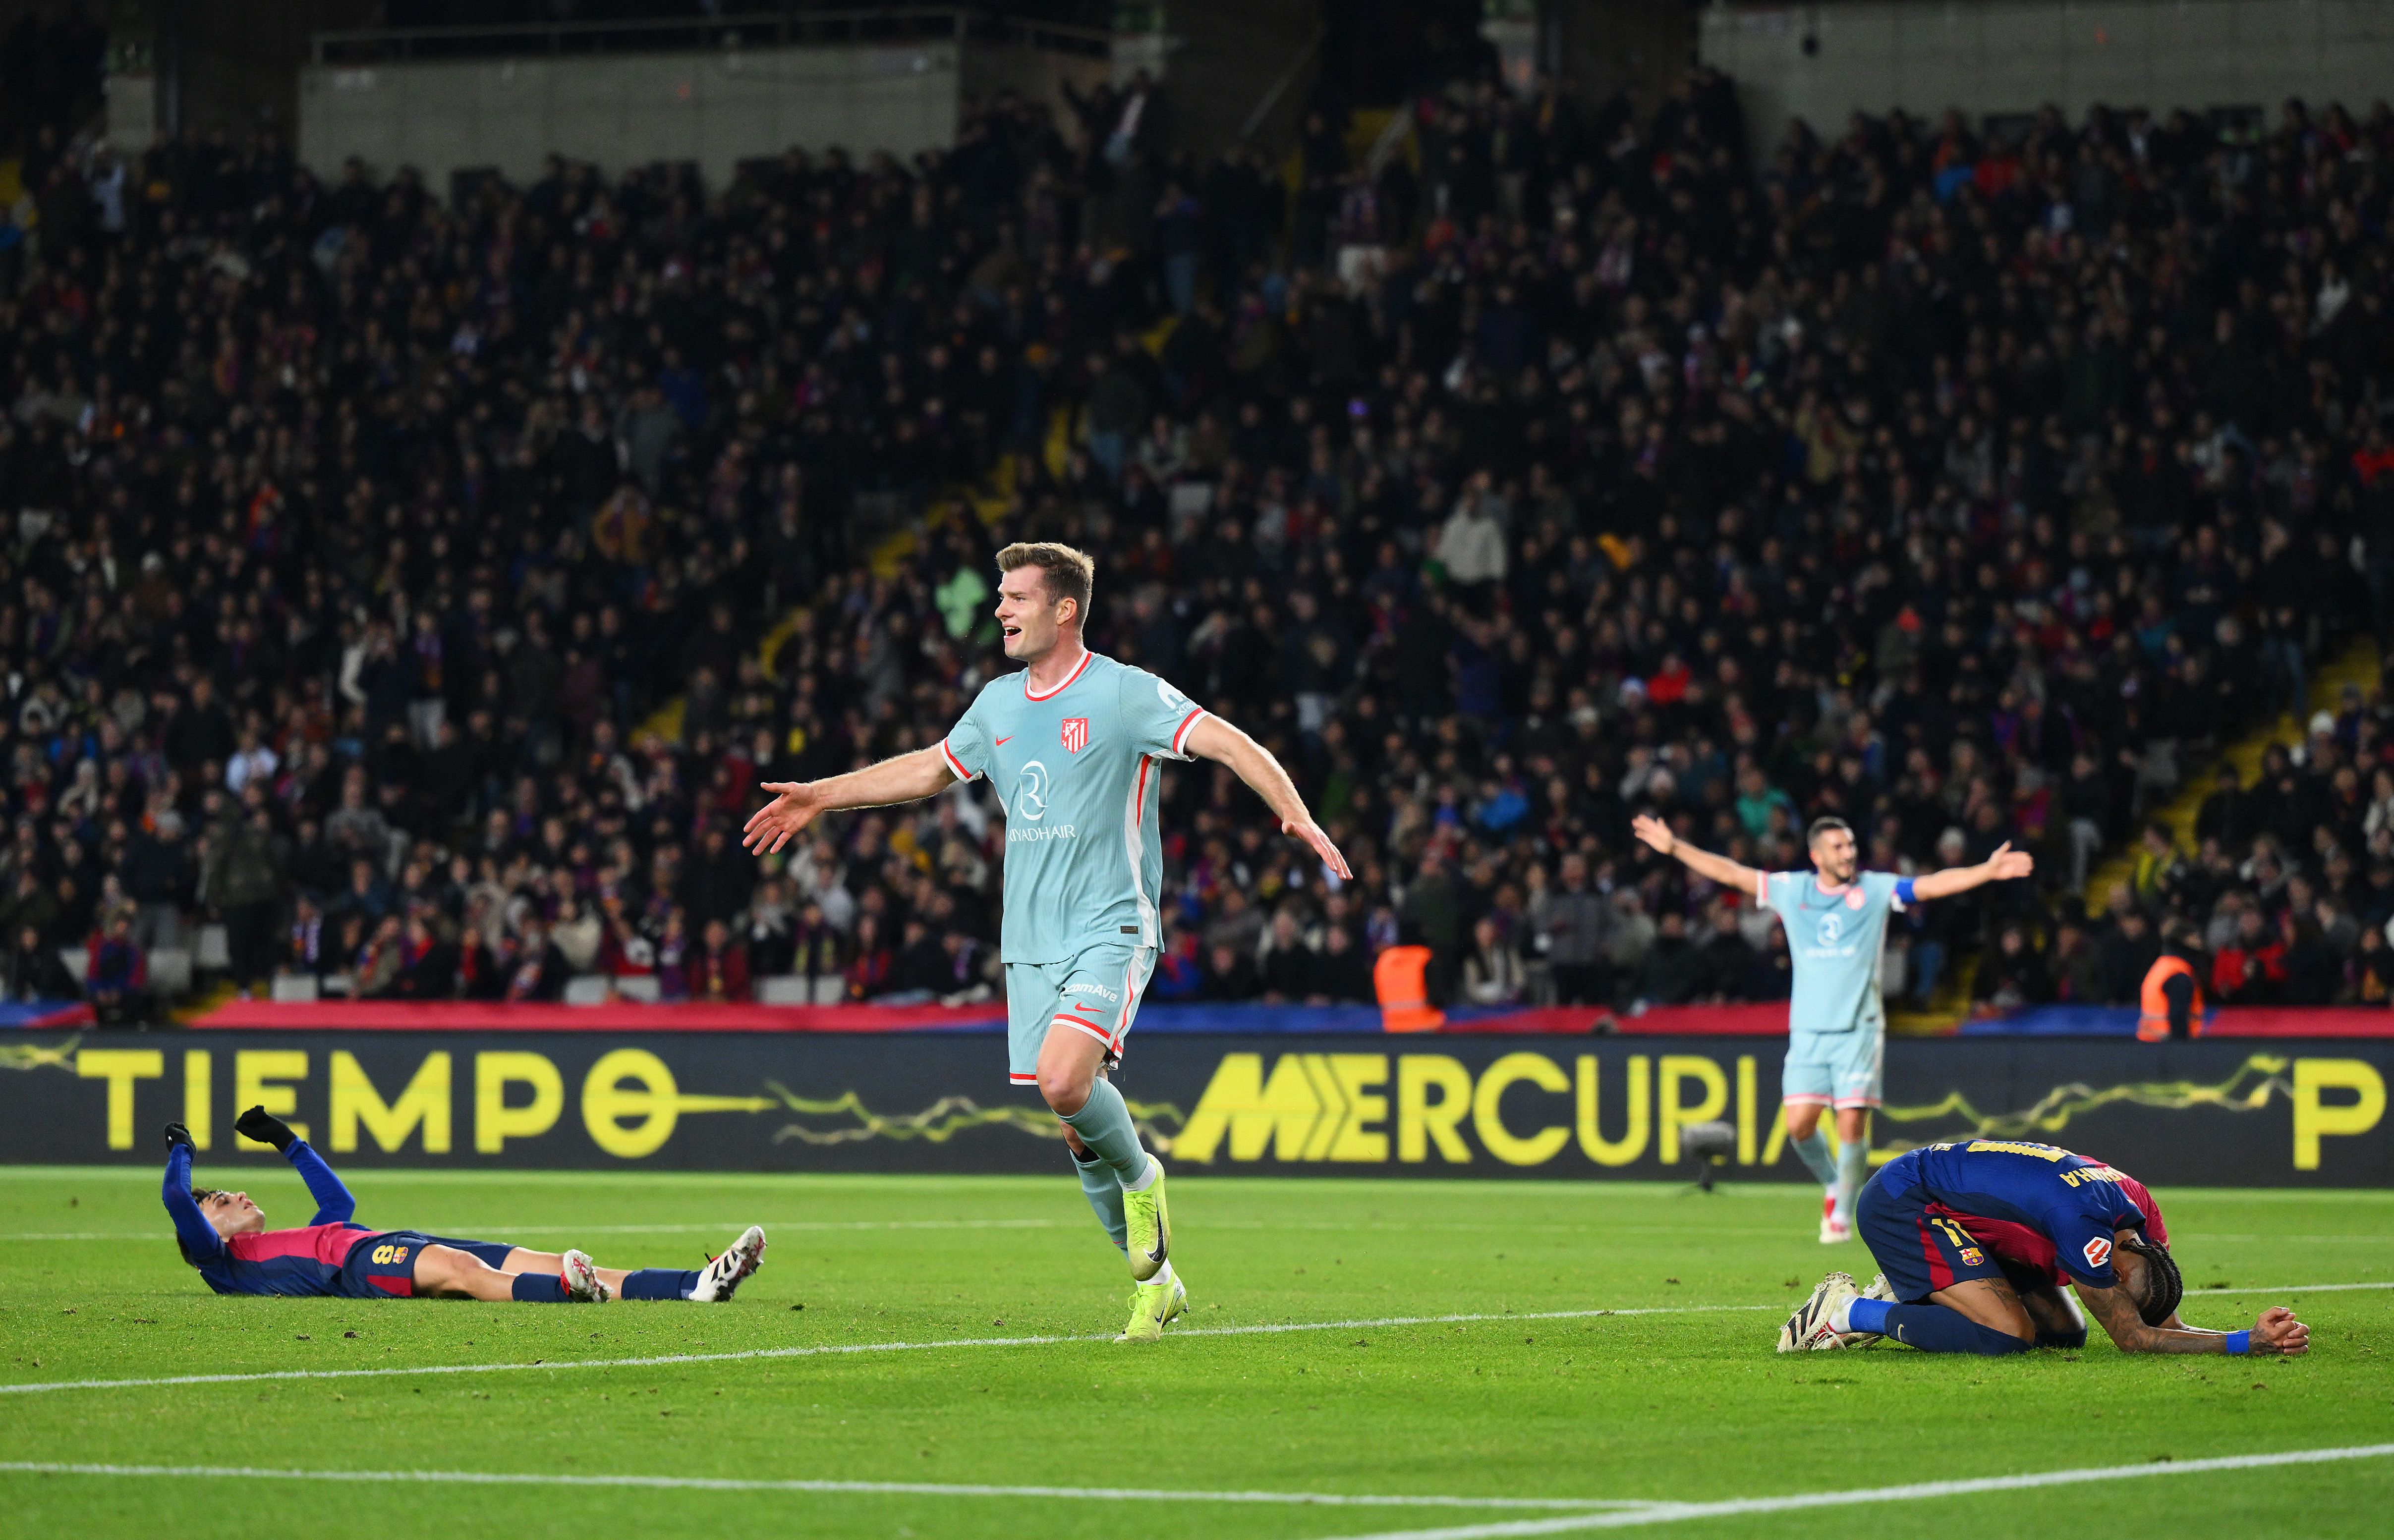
(1680,1406)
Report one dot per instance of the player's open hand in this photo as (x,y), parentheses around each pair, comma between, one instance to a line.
(2278,1332)
(1310,832)
(775,824)
(1654,831)
(2007,863)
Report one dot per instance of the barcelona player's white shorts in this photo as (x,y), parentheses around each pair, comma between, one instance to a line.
(1095,993)
(1834,1069)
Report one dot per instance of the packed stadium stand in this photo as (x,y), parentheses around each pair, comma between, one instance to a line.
(415,581)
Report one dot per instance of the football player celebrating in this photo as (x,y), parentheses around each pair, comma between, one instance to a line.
(224,1235)
(1976,1239)
(1835,918)
(1071,743)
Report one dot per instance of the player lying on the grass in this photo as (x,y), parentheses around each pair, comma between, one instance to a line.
(224,1235)
(1976,1239)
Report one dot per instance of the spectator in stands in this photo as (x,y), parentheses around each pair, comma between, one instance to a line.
(1568,924)
(116,978)
(242,881)
(2012,976)
(1285,964)
(1231,975)
(33,971)
(719,971)
(1491,974)
(871,963)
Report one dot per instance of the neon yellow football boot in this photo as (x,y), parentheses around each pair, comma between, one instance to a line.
(1149,1220)
(1155,1306)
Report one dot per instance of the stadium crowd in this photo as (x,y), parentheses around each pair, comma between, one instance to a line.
(1560,464)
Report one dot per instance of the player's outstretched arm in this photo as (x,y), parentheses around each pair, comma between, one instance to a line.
(333,1202)
(200,1241)
(2275,1334)
(2004,865)
(1215,740)
(795,805)
(1704,863)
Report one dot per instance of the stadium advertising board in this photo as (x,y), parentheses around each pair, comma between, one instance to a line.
(2282,1113)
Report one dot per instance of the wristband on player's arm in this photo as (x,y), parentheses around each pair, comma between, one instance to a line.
(2238,1342)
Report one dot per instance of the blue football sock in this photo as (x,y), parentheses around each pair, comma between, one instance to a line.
(1813,1148)
(1105,1128)
(1933,1328)
(1853,1156)
(541,1288)
(1103,1189)
(657,1283)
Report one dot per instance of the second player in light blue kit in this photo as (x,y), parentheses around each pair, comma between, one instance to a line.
(1835,918)
(1073,745)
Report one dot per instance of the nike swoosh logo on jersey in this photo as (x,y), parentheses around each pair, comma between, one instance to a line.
(1007,739)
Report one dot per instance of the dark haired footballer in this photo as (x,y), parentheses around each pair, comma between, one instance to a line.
(1977,1238)
(224,1235)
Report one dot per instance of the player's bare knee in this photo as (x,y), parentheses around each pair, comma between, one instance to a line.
(1065,1088)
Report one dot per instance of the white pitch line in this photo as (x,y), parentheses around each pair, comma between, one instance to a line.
(825,1349)
(1672,1513)
(723,1484)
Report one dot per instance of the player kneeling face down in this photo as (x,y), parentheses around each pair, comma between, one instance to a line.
(1977,1238)
(224,1235)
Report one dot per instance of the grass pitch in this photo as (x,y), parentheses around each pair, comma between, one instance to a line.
(919,1295)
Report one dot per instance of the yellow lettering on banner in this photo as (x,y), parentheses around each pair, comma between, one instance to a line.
(1419,1119)
(2312,1118)
(606,1103)
(258,1077)
(1632,1143)
(1331,1098)
(1676,1116)
(425,1102)
(1745,1109)
(1777,1143)
(494,1121)
(120,1067)
(199,1077)
(1487,1120)
(1358,1141)
(1253,1113)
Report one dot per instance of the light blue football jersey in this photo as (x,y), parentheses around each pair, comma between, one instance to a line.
(1077,770)
(1835,938)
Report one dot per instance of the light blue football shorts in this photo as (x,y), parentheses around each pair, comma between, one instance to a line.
(1834,1069)
(1096,992)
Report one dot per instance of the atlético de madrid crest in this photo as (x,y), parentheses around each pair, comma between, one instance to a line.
(1077,734)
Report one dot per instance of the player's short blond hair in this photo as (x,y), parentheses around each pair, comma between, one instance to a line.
(1070,574)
